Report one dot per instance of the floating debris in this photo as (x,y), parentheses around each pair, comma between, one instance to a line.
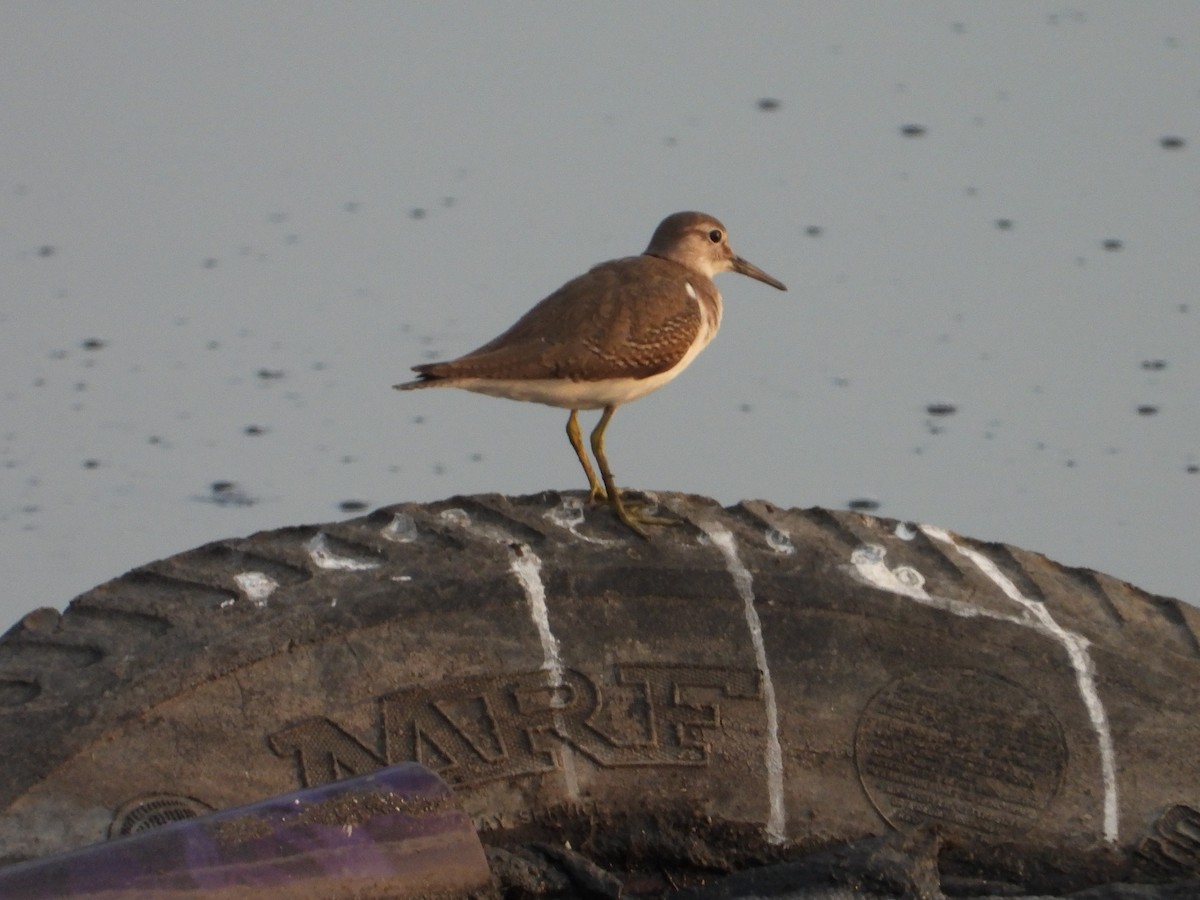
(352,505)
(93,344)
(1147,409)
(1113,244)
(941,409)
(1171,142)
(1004,224)
(912,130)
(1154,365)
(227,493)
(769,104)
(863,504)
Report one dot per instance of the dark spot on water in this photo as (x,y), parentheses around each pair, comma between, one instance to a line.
(91,463)
(670,141)
(958,27)
(1192,469)
(270,374)
(351,206)
(1004,224)
(227,493)
(941,409)
(1154,365)
(45,250)
(417,213)
(745,407)
(254,430)
(1147,409)
(863,504)
(209,263)
(1113,244)
(769,104)
(418,420)
(841,381)
(292,239)
(1171,142)
(912,130)
(93,344)
(347,459)
(813,230)
(476,457)
(352,505)
(1070,463)
(448,202)
(439,469)
(278,218)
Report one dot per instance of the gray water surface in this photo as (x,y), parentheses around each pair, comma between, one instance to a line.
(229,228)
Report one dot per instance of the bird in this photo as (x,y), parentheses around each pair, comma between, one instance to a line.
(610,336)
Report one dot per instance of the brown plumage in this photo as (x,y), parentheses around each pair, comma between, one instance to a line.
(612,335)
(595,327)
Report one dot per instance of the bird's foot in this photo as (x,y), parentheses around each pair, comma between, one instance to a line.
(635,513)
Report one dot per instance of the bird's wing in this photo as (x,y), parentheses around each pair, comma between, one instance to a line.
(629,318)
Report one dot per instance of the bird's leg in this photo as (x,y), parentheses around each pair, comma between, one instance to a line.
(576,438)
(631,516)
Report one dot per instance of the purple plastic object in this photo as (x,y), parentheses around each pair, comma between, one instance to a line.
(394,833)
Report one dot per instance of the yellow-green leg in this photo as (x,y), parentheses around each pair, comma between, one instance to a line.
(631,517)
(575,436)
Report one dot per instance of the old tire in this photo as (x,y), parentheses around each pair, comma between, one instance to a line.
(754,684)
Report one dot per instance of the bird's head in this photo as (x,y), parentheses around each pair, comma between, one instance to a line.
(701,243)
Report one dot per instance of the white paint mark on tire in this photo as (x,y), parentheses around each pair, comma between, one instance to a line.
(1081,661)
(324,558)
(776,827)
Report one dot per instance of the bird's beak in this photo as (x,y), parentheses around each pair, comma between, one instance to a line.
(746,268)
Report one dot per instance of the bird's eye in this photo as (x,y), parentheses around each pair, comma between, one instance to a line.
(715,236)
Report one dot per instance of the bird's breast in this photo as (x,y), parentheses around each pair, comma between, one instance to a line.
(711,309)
